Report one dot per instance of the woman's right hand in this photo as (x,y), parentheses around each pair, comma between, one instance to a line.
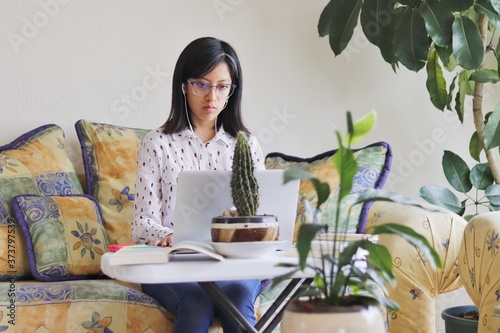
(166,241)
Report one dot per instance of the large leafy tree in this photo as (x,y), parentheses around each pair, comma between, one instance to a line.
(453,35)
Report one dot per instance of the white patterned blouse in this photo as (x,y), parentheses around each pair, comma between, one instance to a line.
(160,158)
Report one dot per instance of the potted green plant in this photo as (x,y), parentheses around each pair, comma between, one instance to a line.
(451,34)
(344,294)
(461,319)
(476,185)
(243,224)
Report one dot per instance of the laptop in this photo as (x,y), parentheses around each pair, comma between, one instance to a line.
(202,195)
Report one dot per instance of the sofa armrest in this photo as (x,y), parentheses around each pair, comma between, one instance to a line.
(479,266)
(418,284)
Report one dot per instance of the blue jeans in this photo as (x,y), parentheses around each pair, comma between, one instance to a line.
(194,309)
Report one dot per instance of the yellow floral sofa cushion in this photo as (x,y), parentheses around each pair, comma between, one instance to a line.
(110,161)
(65,236)
(35,163)
(374,165)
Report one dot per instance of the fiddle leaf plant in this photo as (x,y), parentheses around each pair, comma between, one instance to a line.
(438,35)
(476,184)
(339,280)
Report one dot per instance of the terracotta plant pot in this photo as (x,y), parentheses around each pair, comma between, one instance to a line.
(301,317)
(244,228)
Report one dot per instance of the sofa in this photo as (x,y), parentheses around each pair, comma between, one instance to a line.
(418,284)
(478,264)
(55,225)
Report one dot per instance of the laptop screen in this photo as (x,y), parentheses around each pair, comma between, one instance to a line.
(202,195)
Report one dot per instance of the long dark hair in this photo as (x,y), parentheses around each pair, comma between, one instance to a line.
(200,57)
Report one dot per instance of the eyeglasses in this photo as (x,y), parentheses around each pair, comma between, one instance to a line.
(202,89)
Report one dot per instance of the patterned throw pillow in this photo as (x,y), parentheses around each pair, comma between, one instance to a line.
(374,164)
(34,163)
(65,236)
(110,162)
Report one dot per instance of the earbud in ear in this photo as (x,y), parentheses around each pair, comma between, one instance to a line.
(183,89)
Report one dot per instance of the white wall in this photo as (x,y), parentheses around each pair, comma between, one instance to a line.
(63,60)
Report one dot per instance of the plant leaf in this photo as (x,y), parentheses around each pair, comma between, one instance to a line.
(494,208)
(468,84)
(411,236)
(350,126)
(458,5)
(375,16)
(357,299)
(438,20)
(442,197)
(481,176)
(485,76)
(456,171)
(446,56)
(326,17)
(410,41)
(467,43)
(342,24)
(276,280)
(345,257)
(463,90)
(491,130)
(436,83)
(386,302)
(485,7)
(377,278)
(306,234)
(450,93)
(492,192)
(497,54)
(387,36)
(362,127)
(475,147)
(347,167)
(381,195)
(496,5)
(294,172)
(380,257)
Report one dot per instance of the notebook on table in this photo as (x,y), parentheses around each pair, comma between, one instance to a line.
(202,195)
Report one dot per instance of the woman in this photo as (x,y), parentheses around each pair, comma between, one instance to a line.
(199,134)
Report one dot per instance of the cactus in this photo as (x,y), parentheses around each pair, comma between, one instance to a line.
(244,186)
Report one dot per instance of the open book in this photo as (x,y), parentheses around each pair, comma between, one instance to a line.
(137,254)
